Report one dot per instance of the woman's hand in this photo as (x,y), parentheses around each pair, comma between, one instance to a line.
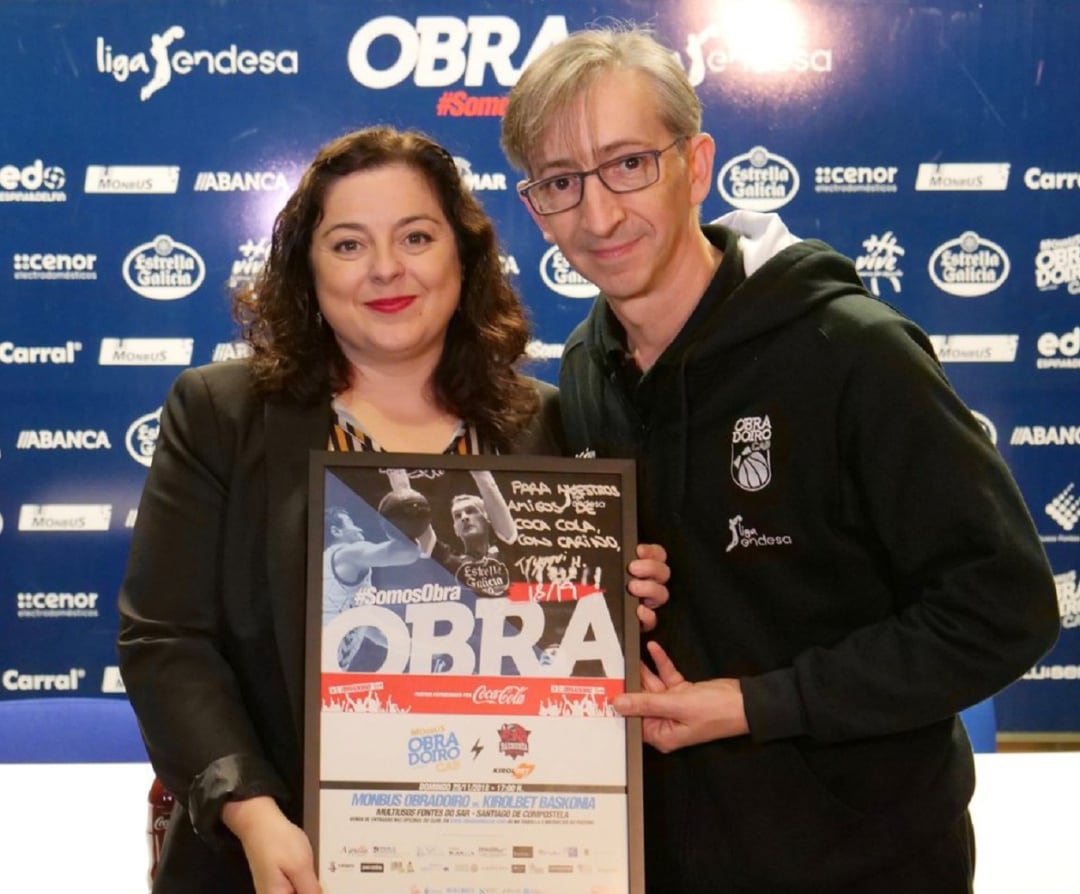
(650,574)
(278,852)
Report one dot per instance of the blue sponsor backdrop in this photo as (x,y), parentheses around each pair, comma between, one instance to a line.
(145,149)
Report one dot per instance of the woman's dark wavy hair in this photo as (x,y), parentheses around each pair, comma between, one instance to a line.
(295,353)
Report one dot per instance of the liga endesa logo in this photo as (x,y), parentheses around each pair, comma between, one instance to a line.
(163,64)
(441,51)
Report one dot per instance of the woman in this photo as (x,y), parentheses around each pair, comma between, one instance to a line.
(381,320)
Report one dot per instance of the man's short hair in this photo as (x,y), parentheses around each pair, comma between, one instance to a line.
(472,500)
(552,83)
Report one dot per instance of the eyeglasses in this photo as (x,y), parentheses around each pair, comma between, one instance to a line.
(627,173)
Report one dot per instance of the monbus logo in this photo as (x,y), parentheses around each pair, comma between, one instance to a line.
(968,266)
(164,269)
(141,437)
(162,65)
(442,50)
(563,279)
(758,180)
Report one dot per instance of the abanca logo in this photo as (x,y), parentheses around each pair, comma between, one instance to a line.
(968,266)
(758,180)
(164,269)
(229,61)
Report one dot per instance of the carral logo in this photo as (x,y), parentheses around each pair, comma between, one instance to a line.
(229,61)
(146,351)
(841,178)
(1045,436)
(56,605)
(880,262)
(963,177)
(164,269)
(1058,264)
(1068,599)
(230,350)
(16,681)
(748,538)
(706,52)
(1037,178)
(968,266)
(246,268)
(751,456)
(1059,351)
(477,182)
(20,354)
(132,179)
(141,437)
(58,517)
(988,427)
(1065,507)
(48,439)
(240,181)
(442,50)
(758,180)
(34,183)
(975,348)
(46,265)
(563,279)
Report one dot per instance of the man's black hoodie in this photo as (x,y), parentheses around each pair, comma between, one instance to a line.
(843,539)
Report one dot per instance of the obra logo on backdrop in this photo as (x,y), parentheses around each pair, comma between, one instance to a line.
(563,279)
(758,180)
(164,269)
(162,64)
(968,266)
(441,50)
(141,437)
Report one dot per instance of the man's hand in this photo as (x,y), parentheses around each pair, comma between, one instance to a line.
(650,573)
(278,852)
(676,713)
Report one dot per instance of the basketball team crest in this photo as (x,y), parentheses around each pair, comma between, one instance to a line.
(751,457)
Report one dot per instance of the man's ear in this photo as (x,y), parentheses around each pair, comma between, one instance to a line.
(700,154)
(538,219)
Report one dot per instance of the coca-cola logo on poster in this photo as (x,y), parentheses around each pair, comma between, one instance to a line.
(507,695)
(513,740)
(487,577)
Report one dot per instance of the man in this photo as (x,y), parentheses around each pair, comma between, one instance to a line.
(852,563)
(347,562)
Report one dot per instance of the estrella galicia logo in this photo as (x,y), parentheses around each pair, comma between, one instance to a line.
(751,456)
(562,279)
(141,437)
(487,576)
(758,180)
(988,427)
(969,266)
(164,269)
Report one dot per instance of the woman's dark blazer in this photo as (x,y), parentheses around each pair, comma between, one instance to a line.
(212,607)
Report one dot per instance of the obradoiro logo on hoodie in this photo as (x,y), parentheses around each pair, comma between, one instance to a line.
(751,457)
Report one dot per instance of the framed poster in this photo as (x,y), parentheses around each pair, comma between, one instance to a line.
(467,628)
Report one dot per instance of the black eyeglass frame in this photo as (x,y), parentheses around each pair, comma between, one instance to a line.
(525,188)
